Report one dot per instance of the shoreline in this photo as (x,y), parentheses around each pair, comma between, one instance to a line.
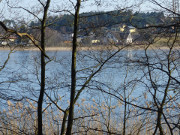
(87,48)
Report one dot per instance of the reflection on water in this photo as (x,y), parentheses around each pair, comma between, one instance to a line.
(130,54)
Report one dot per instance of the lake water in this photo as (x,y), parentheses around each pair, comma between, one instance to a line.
(123,76)
(24,68)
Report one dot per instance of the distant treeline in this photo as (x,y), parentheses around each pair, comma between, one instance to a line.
(90,20)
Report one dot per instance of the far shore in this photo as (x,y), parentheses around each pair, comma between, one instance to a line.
(86,48)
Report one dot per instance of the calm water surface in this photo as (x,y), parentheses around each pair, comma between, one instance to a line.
(24,69)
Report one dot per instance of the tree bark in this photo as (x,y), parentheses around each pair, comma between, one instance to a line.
(64,122)
(73,69)
(43,64)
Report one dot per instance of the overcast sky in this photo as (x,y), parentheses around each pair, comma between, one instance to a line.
(91,5)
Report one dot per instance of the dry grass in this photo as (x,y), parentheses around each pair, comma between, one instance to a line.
(90,118)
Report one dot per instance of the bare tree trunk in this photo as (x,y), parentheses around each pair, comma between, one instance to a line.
(64,122)
(124,121)
(160,111)
(43,64)
(40,100)
(159,125)
(73,69)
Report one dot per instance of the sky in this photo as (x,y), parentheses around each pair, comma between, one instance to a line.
(88,6)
